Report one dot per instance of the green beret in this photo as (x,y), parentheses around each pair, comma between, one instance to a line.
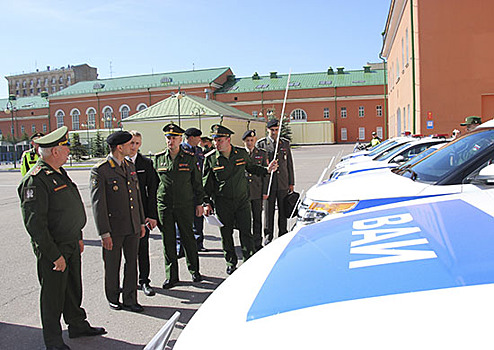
(472,120)
(55,138)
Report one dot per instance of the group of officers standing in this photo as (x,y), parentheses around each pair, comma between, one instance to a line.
(131,195)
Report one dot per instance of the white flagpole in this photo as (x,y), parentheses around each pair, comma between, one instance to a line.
(279,131)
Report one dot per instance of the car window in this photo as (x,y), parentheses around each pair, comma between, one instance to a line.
(391,152)
(448,159)
(378,150)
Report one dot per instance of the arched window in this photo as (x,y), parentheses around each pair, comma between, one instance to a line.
(60,115)
(141,107)
(107,117)
(91,118)
(124,111)
(298,114)
(75,119)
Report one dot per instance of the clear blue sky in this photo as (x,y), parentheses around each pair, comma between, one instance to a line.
(146,36)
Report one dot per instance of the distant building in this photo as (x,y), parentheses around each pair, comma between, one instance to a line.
(50,80)
(439,59)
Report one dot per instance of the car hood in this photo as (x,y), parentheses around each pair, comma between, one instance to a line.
(408,276)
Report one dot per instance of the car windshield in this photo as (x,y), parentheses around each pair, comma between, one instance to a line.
(447,159)
(392,152)
(420,156)
(381,147)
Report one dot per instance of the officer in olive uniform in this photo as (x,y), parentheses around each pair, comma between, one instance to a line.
(283,180)
(119,217)
(30,157)
(180,191)
(54,217)
(225,183)
(258,185)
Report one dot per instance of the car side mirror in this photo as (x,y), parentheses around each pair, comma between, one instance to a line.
(486,175)
(399,159)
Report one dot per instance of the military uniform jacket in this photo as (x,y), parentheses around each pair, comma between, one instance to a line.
(29,159)
(285,175)
(225,177)
(52,209)
(180,180)
(148,185)
(258,185)
(196,151)
(116,198)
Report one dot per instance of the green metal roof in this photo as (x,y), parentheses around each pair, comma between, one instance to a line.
(190,106)
(305,81)
(202,76)
(31,102)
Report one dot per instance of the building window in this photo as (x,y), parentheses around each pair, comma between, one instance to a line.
(344,134)
(325,114)
(60,80)
(24,92)
(68,80)
(406,43)
(31,91)
(298,114)
(53,80)
(379,111)
(75,119)
(23,130)
(61,88)
(53,89)
(31,83)
(409,118)
(39,81)
(17,92)
(17,84)
(361,111)
(24,84)
(343,113)
(402,54)
(141,107)
(255,114)
(12,130)
(361,133)
(45,128)
(397,70)
(38,90)
(107,116)
(91,118)
(33,129)
(60,116)
(46,81)
(379,131)
(124,112)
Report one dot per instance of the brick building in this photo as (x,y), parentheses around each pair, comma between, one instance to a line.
(50,80)
(439,60)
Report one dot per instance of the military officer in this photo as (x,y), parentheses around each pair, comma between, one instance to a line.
(119,218)
(54,217)
(258,185)
(283,180)
(180,191)
(30,157)
(225,183)
(148,185)
(206,144)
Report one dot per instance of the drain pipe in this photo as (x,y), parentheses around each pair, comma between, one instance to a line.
(414,103)
(385,65)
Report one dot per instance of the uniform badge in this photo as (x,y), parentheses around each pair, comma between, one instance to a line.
(55,182)
(94,181)
(115,188)
(29,194)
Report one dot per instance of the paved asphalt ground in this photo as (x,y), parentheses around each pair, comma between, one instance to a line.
(19,292)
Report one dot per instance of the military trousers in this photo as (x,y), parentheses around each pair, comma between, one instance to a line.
(235,213)
(112,259)
(256,209)
(183,217)
(143,259)
(277,197)
(61,293)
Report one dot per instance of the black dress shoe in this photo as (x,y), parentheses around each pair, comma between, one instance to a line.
(196,277)
(115,306)
(147,289)
(133,308)
(169,284)
(58,347)
(87,332)
(230,269)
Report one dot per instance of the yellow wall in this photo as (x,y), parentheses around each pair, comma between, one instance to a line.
(312,132)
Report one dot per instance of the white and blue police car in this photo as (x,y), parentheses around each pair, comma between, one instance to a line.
(450,169)
(409,275)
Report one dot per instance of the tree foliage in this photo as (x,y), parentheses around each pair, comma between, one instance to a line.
(99,149)
(76,148)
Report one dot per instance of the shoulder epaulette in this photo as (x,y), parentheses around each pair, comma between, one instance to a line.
(210,152)
(188,152)
(160,153)
(284,139)
(35,170)
(100,163)
(261,139)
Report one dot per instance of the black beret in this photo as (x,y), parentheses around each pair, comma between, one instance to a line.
(37,134)
(272,123)
(193,132)
(172,130)
(118,138)
(248,133)
(218,130)
(206,138)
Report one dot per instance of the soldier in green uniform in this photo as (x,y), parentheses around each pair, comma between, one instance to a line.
(30,157)
(119,217)
(180,185)
(225,183)
(54,217)
(258,185)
